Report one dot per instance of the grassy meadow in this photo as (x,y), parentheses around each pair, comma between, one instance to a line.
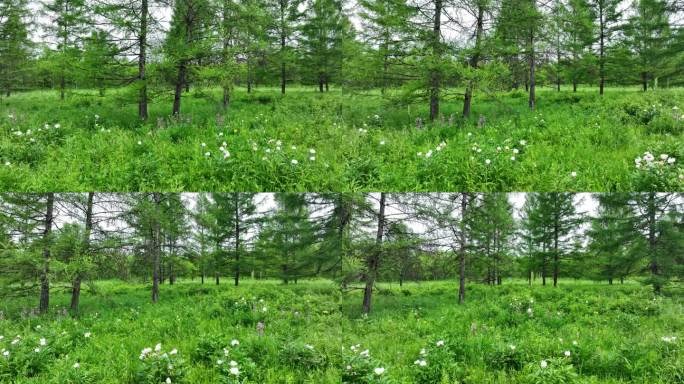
(580,332)
(195,334)
(342,141)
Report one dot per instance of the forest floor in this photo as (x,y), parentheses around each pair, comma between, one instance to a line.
(342,141)
(201,329)
(585,332)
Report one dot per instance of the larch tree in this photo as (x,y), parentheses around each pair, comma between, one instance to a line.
(607,14)
(186,42)
(387,32)
(647,34)
(15,43)
(324,31)
(287,17)
(69,21)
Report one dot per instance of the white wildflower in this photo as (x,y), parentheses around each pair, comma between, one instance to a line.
(379,371)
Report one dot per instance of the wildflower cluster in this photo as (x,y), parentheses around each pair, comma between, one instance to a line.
(160,366)
(661,172)
(431,361)
(233,365)
(33,353)
(361,368)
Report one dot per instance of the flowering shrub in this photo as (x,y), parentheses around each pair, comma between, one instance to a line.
(658,172)
(361,368)
(552,371)
(248,312)
(159,366)
(433,363)
(32,354)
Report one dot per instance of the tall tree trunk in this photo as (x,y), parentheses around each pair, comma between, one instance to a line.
(180,81)
(225,13)
(142,58)
(465,197)
(435,72)
(556,260)
(283,72)
(532,100)
(62,86)
(653,262)
(76,286)
(217,279)
(236,195)
(44,276)
(320,83)
(644,81)
(374,259)
(156,246)
(474,61)
(602,48)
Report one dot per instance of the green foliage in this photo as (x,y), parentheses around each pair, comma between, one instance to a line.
(354,149)
(586,332)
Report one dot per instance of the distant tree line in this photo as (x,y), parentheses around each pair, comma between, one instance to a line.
(62,240)
(65,240)
(433,50)
(478,237)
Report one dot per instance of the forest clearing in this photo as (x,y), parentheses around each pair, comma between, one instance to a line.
(344,141)
(198,334)
(579,332)
(362,288)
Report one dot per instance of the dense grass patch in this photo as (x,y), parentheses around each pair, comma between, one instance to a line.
(341,141)
(584,332)
(201,329)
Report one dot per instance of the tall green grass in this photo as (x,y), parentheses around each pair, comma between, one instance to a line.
(585,333)
(340,141)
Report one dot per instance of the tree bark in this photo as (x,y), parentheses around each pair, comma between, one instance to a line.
(283,72)
(532,100)
(474,62)
(653,262)
(236,195)
(644,81)
(44,277)
(435,75)
(180,81)
(76,286)
(465,197)
(602,53)
(142,58)
(156,245)
(374,258)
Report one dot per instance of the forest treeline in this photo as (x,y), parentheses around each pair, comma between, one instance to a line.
(65,240)
(432,50)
